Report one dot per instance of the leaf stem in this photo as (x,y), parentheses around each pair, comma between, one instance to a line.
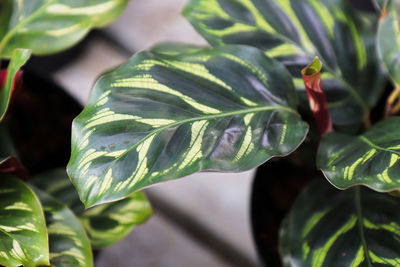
(389,109)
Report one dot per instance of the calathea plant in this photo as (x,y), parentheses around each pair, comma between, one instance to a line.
(177,109)
(42,221)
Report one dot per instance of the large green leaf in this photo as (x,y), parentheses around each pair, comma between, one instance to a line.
(164,115)
(389,39)
(294,31)
(18,59)
(23,232)
(327,227)
(105,224)
(69,244)
(370,159)
(48,26)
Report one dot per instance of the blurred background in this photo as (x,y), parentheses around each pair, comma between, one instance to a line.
(201,220)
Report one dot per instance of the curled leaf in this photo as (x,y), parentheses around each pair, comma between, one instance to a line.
(316,96)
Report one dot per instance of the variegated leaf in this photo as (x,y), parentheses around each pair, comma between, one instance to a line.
(18,59)
(294,31)
(371,159)
(164,115)
(23,232)
(69,244)
(389,39)
(328,227)
(105,224)
(109,223)
(48,26)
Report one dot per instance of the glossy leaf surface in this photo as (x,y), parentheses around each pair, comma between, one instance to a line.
(164,115)
(389,39)
(105,224)
(68,242)
(18,59)
(294,31)
(22,225)
(328,227)
(49,26)
(371,159)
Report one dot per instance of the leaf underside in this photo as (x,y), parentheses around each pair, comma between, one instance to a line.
(105,224)
(327,227)
(50,26)
(23,232)
(294,32)
(371,159)
(165,115)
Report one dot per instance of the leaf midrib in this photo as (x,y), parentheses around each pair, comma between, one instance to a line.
(206,117)
(357,199)
(370,143)
(22,23)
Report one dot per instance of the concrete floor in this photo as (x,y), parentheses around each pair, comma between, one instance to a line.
(217,204)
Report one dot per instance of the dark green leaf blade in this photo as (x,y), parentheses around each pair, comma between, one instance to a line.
(161,117)
(69,244)
(370,159)
(389,40)
(294,31)
(327,227)
(105,224)
(18,59)
(22,225)
(50,26)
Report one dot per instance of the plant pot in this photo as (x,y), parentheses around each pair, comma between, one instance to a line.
(39,121)
(275,187)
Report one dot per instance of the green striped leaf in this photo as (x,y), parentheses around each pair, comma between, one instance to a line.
(389,39)
(327,227)
(53,25)
(164,115)
(18,59)
(370,159)
(68,242)
(105,224)
(109,223)
(23,232)
(294,31)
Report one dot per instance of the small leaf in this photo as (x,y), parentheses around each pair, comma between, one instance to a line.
(69,244)
(109,223)
(389,39)
(294,32)
(316,96)
(370,159)
(18,59)
(23,232)
(105,224)
(50,26)
(164,116)
(327,227)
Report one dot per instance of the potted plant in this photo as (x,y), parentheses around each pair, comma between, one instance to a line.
(259,93)
(42,221)
(177,109)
